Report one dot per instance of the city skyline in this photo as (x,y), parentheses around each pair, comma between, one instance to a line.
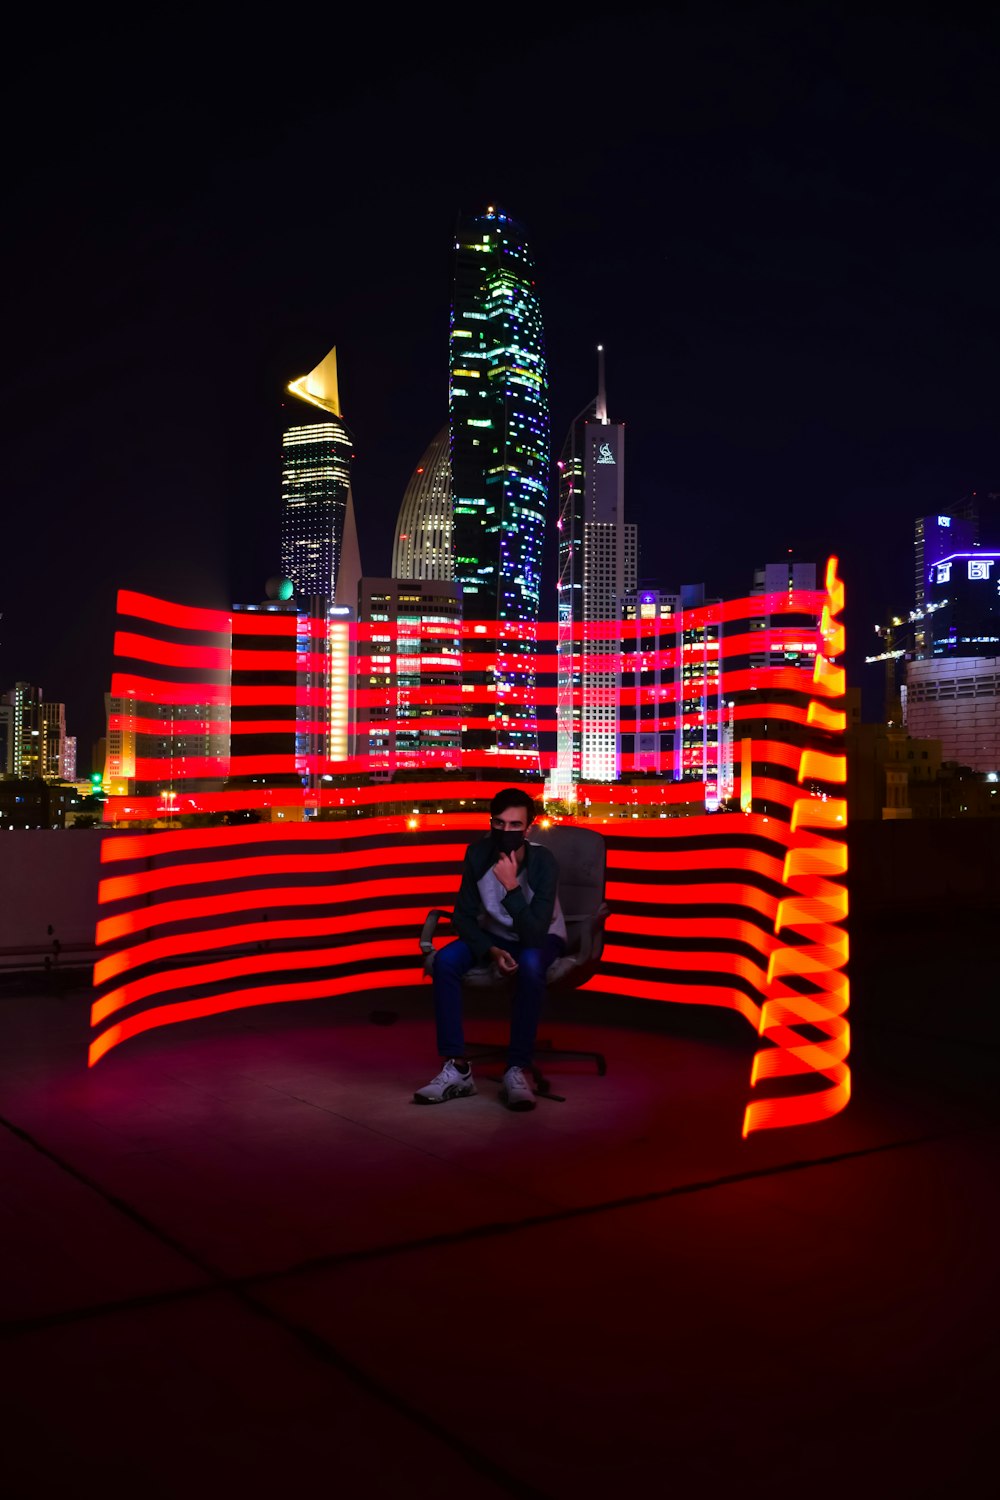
(776,234)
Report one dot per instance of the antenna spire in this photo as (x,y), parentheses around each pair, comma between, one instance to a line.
(602,399)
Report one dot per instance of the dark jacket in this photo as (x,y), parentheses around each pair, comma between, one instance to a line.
(531,919)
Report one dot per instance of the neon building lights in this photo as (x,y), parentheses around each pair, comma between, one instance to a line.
(499,426)
(197,920)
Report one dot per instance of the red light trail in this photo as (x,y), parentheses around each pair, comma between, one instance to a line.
(745,910)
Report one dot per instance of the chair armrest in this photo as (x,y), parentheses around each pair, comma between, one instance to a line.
(429,928)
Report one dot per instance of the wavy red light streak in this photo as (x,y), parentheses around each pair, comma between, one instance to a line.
(741,910)
(815,910)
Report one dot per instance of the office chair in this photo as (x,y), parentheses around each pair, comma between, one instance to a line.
(581,856)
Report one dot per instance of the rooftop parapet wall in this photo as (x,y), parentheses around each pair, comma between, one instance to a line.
(48,879)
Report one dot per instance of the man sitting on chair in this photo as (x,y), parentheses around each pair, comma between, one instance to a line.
(507,910)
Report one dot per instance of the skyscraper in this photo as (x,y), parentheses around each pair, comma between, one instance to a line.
(422,547)
(119,760)
(319,547)
(53,740)
(499,426)
(28,728)
(938,536)
(598,554)
(6,738)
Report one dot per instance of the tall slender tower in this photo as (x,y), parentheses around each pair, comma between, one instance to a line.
(499,426)
(317,518)
(422,548)
(597,569)
(320,554)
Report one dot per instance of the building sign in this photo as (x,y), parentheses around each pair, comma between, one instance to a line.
(980,569)
(604,473)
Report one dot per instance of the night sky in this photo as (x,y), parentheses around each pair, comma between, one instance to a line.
(782,224)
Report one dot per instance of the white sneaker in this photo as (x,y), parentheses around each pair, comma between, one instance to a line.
(515,1091)
(450,1083)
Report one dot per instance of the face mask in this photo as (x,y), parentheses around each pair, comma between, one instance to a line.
(506,841)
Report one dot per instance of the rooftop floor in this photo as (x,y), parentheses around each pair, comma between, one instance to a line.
(239,1260)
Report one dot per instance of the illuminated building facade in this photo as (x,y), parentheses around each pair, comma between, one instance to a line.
(952,690)
(119,762)
(786,640)
(936,537)
(971,524)
(678,721)
(292,715)
(339,712)
(269,726)
(498,419)
(53,740)
(174,745)
(649,692)
(6,738)
(598,558)
(422,546)
(318,532)
(414,643)
(965,588)
(278,712)
(700,704)
(27,732)
(152,749)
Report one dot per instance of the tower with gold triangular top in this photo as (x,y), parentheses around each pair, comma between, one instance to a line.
(318,534)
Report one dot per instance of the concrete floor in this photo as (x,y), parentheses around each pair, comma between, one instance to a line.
(240,1262)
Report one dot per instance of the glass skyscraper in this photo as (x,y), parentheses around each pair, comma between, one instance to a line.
(499,428)
(316,507)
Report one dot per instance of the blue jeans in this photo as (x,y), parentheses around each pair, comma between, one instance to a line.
(526,1008)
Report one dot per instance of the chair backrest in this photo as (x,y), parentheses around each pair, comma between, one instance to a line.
(582,859)
(581,855)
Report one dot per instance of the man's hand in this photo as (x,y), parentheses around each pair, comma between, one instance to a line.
(505,871)
(505,962)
